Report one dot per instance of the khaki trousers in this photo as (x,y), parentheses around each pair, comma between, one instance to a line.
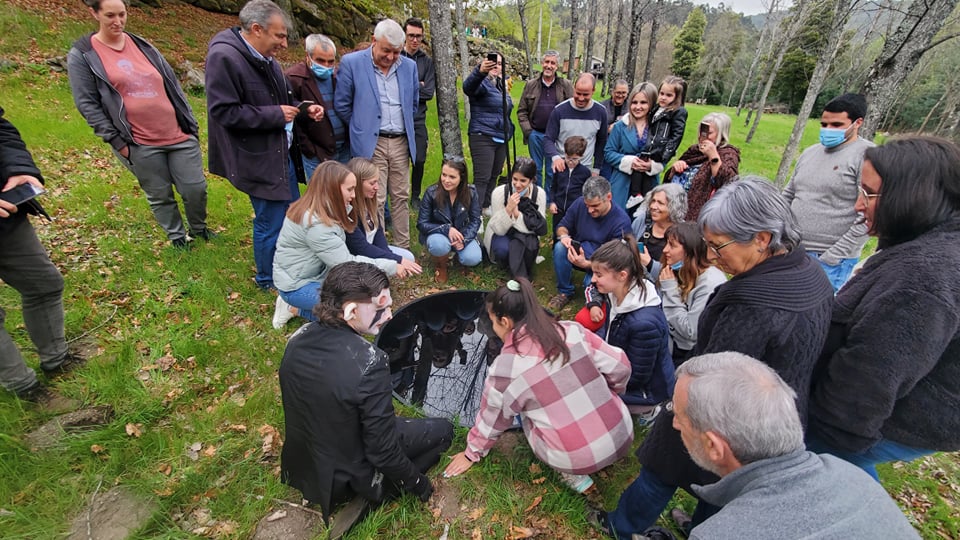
(392,157)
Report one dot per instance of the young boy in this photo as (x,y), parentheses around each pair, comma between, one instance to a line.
(568,185)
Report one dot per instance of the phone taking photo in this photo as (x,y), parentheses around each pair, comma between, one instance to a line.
(704,130)
(492,57)
(576,245)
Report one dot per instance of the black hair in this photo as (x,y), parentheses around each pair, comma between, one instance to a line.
(529,319)
(413,21)
(920,187)
(622,255)
(348,282)
(526,167)
(855,105)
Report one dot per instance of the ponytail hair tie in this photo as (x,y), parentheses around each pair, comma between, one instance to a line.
(513,285)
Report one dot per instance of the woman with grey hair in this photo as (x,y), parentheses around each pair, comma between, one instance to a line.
(708,165)
(776,308)
(663,206)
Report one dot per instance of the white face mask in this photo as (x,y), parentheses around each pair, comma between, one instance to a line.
(369,317)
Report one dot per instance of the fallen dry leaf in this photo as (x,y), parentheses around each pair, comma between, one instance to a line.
(210,451)
(239,428)
(535,468)
(518,533)
(96,448)
(538,481)
(193,451)
(536,502)
(165,469)
(272,443)
(476,513)
(134,430)
(476,534)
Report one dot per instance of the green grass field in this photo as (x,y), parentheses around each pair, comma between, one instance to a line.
(181,346)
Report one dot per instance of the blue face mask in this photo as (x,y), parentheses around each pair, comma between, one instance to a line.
(832,137)
(321,72)
(676,266)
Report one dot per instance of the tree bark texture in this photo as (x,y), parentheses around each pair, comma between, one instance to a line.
(591,20)
(633,45)
(442,40)
(615,72)
(652,45)
(574,19)
(522,10)
(900,55)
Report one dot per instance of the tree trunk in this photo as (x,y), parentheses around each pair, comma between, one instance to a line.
(803,10)
(574,16)
(633,45)
(442,42)
(768,23)
(652,45)
(607,66)
(461,29)
(900,55)
(615,72)
(591,21)
(540,33)
(522,10)
(841,14)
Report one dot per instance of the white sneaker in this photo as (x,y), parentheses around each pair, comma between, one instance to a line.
(282,313)
(579,482)
(634,200)
(540,259)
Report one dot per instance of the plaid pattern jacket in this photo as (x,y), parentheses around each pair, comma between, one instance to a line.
(572,416)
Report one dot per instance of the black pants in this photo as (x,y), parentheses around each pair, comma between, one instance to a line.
(488,158)
(416,174)
(424,440)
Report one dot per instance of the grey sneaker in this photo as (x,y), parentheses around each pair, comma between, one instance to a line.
(69,363)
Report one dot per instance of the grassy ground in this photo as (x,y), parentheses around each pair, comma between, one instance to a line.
(181,344)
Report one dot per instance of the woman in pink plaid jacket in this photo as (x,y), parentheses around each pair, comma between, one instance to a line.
(562,380)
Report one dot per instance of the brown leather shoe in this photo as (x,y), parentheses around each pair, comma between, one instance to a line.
(441,268)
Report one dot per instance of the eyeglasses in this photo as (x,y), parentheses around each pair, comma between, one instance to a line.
(716,249)
(572,159)
(867,196)
(415,36)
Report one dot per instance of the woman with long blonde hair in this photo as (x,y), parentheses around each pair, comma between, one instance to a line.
(313,240)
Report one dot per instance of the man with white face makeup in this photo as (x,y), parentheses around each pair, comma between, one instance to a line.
(343,440)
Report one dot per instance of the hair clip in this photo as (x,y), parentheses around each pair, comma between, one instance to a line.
(513,285)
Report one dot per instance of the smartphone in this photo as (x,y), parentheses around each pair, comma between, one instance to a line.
(21,194)
(640,247)
(304,105)
(576,245)
(645,156)
(704,129)
(492,57)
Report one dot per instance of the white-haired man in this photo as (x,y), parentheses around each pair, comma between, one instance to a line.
(377,96)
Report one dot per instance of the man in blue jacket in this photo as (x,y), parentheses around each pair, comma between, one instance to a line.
(378,94)
(250,111)
(591,221)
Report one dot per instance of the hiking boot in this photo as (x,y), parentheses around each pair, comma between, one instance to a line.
(206,234)
(282,313)
(69,363)
(47,400)
(558,302)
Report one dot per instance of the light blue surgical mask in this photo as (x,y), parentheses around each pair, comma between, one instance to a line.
(676,266)
(832,137)
(321,72)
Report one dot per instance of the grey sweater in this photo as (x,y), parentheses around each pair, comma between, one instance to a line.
(683,316)
(801,495)
(822,193)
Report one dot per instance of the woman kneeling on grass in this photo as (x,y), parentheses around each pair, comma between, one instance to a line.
(450,217)
(517,221)
(564,383)
(313,240)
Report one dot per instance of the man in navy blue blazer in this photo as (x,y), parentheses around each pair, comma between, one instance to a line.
(378,92)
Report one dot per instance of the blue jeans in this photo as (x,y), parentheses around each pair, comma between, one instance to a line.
(267,221)
(564,270)
(884,451)
(304,299)
(535,145)
(405,253)
(439,245)
(640,505)
(837,274)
